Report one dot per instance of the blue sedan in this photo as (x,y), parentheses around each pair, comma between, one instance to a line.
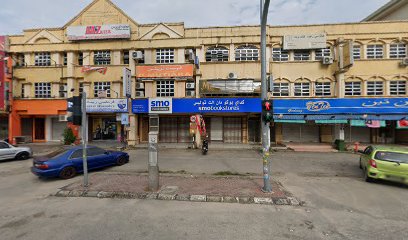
(67,162)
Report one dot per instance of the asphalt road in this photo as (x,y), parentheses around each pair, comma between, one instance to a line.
(338,203)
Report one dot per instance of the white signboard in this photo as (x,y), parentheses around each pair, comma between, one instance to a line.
(124,118)
(161,105)
(304,41)
(107,106)
(127,82)
(98,32)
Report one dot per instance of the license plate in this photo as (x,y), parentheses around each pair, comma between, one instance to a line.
(394,178)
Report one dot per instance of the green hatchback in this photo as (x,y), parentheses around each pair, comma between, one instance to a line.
(385,162)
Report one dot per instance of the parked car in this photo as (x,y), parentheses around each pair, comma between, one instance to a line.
(385,162)
(8,151)
(67,162)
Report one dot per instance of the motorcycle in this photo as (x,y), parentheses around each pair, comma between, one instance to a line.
(204,147)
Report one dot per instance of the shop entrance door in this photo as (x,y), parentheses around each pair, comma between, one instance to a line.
(39,129)
(217,129)
(254,130)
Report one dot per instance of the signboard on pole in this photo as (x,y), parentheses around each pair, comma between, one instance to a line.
(95,32)
(127,82)
(304,41)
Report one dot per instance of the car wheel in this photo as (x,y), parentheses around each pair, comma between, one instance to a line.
(366,177)
(67,172)
(23,156)
(121,161)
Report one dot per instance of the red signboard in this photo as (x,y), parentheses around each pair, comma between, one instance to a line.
(165,71)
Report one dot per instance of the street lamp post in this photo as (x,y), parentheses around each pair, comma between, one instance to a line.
(264,7)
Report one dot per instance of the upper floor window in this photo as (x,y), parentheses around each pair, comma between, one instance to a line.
(22,90)
(42,59)
(246,53)
(398,50)
(165,88)
(217,54)
(280,89)
(375,88)
(352,89)
(65,59)
(398,87)
(280,55)
(323,89)
(375,51)
(126,57)
(357,52)
(321,53)
(81,59)
(165,55)
(301,55)
(101,87)
(302,89)
(81,88)
(20,60)
(102,57)
(42,90)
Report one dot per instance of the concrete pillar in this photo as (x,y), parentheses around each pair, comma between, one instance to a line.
(150,89)
(181,57)
(116,57)
(197,86)
(55,90)
(27,91)
(232,52)
(149,56)
(116,87)
(28,59)
(88,58)
(56,57)
(88,90)
(133,130)
(48,129)
(339,132)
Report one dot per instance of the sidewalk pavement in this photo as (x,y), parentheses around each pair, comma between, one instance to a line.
(232,189)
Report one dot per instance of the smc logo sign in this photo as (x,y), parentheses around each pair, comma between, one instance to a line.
(160,105)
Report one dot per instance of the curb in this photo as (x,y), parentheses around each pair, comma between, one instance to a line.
(288,201)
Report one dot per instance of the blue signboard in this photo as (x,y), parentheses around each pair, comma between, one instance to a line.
(342,106)
(204,105)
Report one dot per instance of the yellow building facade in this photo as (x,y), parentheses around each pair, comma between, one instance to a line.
(205,63)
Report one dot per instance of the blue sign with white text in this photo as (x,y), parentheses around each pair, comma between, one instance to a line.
(342,106)
(204,105)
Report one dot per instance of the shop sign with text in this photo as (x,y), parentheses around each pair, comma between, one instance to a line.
(107,106)
(165,71)
(94,32)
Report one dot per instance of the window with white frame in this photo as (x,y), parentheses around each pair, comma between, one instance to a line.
(398,50)
(165,55)
(302,89)
(246,53)
(280,55)
(42,59)
(323,89)
(357,52)
(303,55)
(102,57)
(375,88)
(321,53)
(352,88)
(217,54)
(102,86)
(281,89)
(42,90)
(165,88)
(375,51)
(398,87)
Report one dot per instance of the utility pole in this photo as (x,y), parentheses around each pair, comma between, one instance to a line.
(84,137)
(264,95)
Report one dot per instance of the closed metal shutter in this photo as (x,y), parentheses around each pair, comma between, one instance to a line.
(57,129)
(291,132)
(168,130)
(357,134)
(300,132)
(401,136)
(184,130)
(217,129)
(232,130)
(310,133)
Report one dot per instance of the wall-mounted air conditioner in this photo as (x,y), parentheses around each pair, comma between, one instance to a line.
(190,93)
(232,75)
(62,118)
(137,55)
(327,60)
(140,85)
(139,94)
(190,85)
(404,62)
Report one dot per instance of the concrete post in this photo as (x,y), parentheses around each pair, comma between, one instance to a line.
(153,161)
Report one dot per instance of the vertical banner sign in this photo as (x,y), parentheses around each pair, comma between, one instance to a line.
(127,82)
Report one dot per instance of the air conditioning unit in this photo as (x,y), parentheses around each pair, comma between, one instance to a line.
(63,94)
(404,62)
(138,55)
(232,75)
(139,85)
(188,52)
(190,85)
(63,88)
(62,118)
(139,94)
(190,93)
(327,60)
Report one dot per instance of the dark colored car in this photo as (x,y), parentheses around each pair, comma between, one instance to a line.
(67,162)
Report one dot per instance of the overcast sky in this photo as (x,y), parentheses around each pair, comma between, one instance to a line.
(17,15)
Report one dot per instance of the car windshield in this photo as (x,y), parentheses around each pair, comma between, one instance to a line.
(56,153)
(392,156)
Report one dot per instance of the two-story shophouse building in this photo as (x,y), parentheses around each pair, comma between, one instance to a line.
(177,72)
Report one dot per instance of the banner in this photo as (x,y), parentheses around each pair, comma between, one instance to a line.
(165,71)
(127,82)
(94,32)
(304,41)
(101,70)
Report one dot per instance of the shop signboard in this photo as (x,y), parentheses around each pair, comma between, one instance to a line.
(160,105)
(107,106)
(94,32)
(304,41)
(127,82)
(165,71)
(342,106)
(199,105)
